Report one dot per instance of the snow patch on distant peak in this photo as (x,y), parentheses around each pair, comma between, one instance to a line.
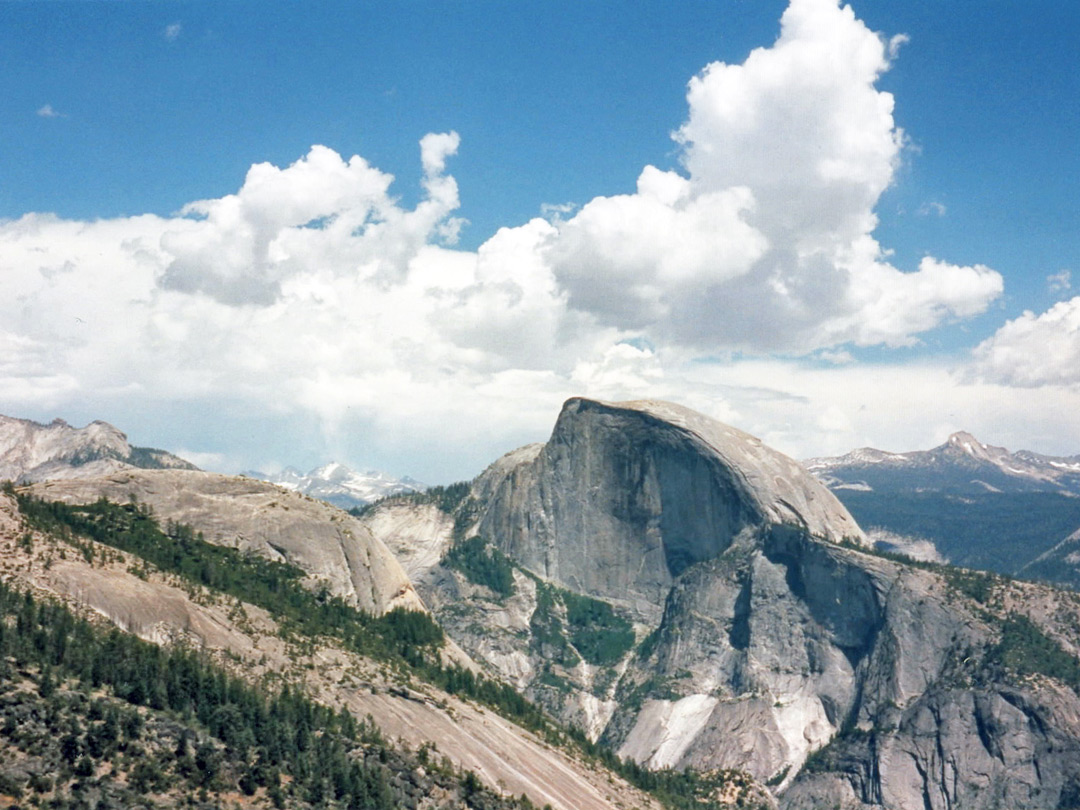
(961,462)
(341,485)
(962,437)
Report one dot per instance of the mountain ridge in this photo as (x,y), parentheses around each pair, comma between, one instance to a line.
(259,517)
(683,594)
(762,643)
(30,450)
(339,484)
(962,464)
(118,587)
(976,504)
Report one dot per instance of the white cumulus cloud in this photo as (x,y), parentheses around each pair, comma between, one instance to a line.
(1034,350)
(321,211)
(767,243)
(313,294)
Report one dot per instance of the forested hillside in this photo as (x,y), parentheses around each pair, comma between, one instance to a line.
(190,704)
(997,531)
(93,717)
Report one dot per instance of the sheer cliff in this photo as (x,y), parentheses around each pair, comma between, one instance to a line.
(625,497)
(756,630)
(33,452)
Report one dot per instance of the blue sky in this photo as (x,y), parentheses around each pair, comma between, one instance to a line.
(114,111)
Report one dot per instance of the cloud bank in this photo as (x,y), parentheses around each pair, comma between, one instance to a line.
(312,292)
(1034,350)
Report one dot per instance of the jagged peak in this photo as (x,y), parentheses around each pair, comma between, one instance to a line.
(31,450)
(967,442)
(331,471)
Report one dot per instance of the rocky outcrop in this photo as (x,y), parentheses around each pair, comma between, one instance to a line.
(510,760)
(625,497)
(768,651)
(33,452)
(957,748)
(768,638)
(330,545)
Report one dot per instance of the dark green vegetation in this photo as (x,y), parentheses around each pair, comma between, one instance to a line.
(547,631)
(404,635)
(996,531)
(148,458)
(405,639)
(482,564)
(976,585)
(447,498)
(687,789)
(95,715)
(408,639)
(596,631)
(1026,650)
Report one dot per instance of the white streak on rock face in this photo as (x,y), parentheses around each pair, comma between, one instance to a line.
(802,722)
(595,714)
(665,729)
(418,534)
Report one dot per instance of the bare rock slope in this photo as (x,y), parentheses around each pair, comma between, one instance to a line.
(766,636)
(625,497)
(508,759)
(330,545)
(33,452)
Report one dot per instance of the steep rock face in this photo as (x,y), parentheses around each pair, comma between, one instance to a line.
(645,505)
(418,535)
(843,678)
(958,748)
(766,652)
(243,513)
(624,497)
(33,452)
(504,756)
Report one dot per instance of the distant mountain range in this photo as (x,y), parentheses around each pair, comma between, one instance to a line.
(963,465)
(980,506)
(341,485)
(669,586)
